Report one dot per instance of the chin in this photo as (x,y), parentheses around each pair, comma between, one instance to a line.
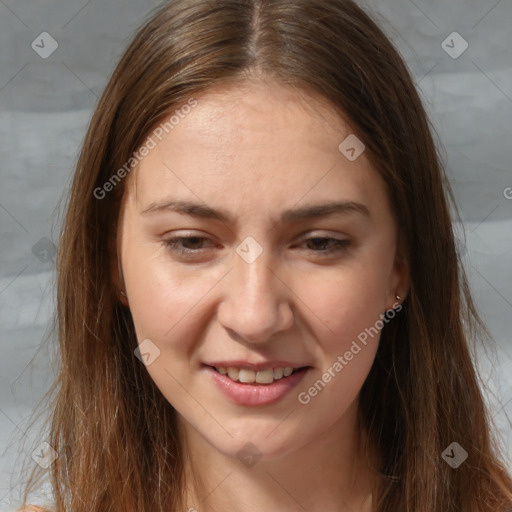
(258,443)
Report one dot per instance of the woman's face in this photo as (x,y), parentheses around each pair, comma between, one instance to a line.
(276,280)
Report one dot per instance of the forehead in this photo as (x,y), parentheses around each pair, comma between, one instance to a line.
(254,145)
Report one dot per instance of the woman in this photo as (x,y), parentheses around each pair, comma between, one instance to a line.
(260,302)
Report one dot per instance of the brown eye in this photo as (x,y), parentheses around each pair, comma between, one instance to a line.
(175,244)
(319,244)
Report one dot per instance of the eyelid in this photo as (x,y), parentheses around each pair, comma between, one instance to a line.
(322,234)
(305,235)
(172,242)
(340,244)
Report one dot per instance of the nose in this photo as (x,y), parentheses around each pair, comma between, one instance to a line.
(256,302)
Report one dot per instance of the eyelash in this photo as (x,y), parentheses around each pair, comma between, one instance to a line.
(172,243)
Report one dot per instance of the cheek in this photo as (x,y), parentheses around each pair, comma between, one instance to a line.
(165,305)
(347,339)
(350,302)
(151,290)
(346,301)
(164,298)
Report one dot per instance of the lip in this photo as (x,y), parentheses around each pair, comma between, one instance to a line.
(255,394)
(263,365)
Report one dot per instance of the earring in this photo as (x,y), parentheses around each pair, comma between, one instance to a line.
(122,293)
(398,297)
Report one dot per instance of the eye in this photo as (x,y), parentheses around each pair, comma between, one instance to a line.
(179,244)
(175,244)
(320,242)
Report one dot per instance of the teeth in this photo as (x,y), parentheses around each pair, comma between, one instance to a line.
(233,373)
(265,376)
(278,373)
(246,376)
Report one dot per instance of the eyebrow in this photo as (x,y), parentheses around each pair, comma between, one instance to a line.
(287,216)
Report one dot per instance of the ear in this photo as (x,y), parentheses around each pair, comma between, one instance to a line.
(399,282)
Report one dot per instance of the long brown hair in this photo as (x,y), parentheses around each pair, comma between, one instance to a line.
(114,432)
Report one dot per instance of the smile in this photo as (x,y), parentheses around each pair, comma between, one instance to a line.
(247,376)
(248,387)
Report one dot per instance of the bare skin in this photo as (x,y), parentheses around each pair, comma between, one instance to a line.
(255,151)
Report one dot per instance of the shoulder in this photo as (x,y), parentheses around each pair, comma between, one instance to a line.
(32,508)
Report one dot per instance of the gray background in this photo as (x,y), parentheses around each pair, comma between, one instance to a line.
(45,108)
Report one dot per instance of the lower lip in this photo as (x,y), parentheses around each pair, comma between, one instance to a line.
(256,394)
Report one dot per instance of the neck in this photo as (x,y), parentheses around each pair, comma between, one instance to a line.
(330,473)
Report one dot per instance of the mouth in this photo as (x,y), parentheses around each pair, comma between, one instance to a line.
(249,387)
(264,376)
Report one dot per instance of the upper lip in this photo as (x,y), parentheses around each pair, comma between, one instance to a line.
(262,365)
